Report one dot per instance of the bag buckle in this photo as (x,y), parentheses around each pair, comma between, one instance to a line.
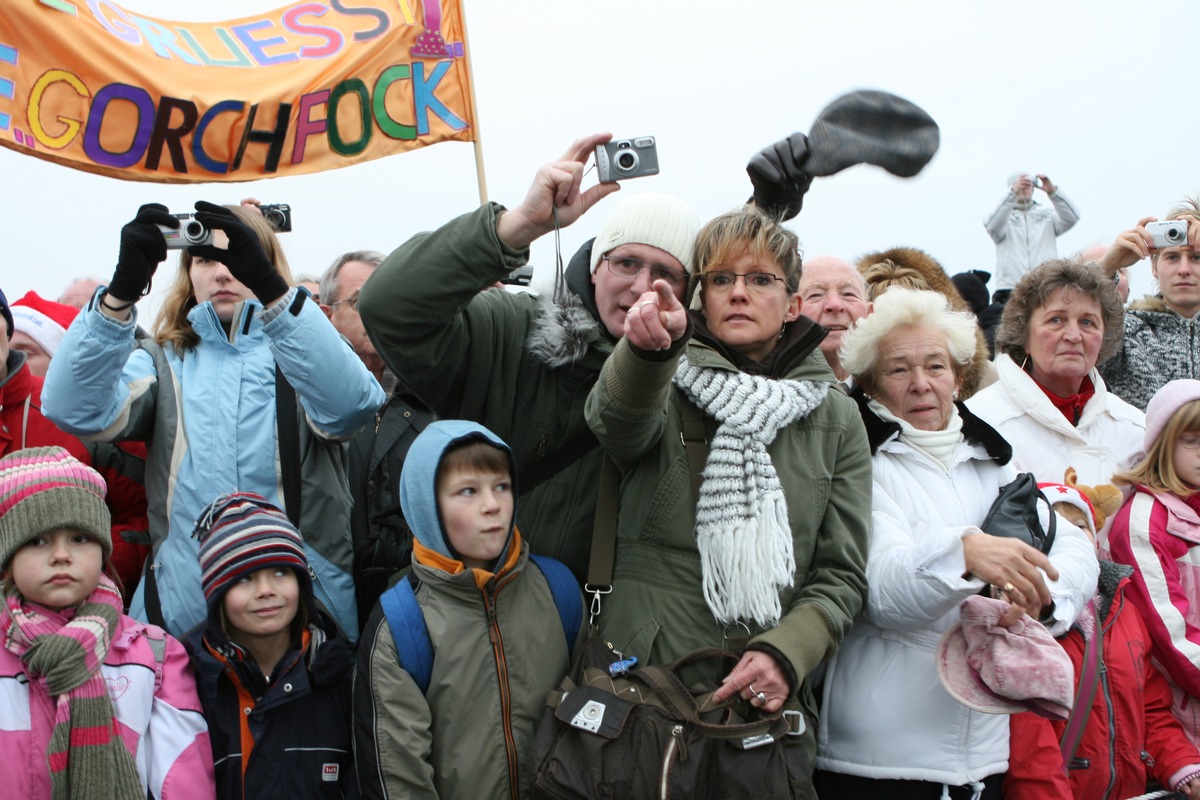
(589,717)
(736,640)
(595,592)
(795,722)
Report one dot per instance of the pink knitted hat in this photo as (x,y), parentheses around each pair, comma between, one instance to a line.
(1166,401)
(45,488)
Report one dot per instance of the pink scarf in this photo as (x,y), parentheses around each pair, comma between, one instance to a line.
(62,652)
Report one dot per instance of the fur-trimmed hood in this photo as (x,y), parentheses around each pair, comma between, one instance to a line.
(567,328)
(936,279)
(1151,302)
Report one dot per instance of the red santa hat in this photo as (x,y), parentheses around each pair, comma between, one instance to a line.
(42,320)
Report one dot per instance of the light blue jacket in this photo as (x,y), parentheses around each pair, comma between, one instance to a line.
(208,418)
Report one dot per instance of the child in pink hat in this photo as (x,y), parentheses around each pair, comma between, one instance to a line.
(1157,533)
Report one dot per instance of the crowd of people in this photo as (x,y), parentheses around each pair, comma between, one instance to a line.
(335,536)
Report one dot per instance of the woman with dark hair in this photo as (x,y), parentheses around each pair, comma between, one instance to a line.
(1049,401)
(767,558)
(202,395)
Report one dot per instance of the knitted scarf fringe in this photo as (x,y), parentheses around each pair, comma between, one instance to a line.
(62,654)
(742,529)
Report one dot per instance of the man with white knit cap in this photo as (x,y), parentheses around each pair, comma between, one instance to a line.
(523,365)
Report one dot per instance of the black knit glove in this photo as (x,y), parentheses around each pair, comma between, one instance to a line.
(143,248)
(779,178)
(245,258)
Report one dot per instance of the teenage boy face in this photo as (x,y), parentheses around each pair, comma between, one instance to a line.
(477,509)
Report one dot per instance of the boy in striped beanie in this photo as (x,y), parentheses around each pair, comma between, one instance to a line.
(242,534)
(273,667)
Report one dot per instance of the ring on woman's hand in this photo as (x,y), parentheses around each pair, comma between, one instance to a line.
(762,698)
(1009,588)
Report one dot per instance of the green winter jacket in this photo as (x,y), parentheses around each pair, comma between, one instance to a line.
(656,610)
(518,364)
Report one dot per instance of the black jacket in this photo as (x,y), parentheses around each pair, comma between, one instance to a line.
(300,721)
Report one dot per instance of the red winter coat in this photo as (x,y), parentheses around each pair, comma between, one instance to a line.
(22,425)
(1132,707)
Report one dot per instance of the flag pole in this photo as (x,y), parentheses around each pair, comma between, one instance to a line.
(477,141)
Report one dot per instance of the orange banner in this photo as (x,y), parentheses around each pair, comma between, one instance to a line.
(308,87)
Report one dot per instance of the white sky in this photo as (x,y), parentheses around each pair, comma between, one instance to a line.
(1098,95)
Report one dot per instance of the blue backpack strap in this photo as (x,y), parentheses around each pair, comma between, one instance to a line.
(414,650)
(567,597)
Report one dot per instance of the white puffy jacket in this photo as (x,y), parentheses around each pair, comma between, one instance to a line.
(884,712)
(1107,439)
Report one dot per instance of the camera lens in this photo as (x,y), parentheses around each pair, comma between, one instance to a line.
(1174,235)
(193,231)
(274,216)
(627,162)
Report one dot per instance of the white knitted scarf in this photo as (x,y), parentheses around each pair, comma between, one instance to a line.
(742,529)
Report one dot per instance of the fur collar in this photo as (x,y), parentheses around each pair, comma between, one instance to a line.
(935,278)
(1151,302)
(974,429)
(1111,575)
(565,331)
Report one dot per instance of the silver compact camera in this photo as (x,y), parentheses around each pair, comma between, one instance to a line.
(622,159)
(1172,233)
(191,233)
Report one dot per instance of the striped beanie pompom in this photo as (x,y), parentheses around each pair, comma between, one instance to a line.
(241,533)
(43,489)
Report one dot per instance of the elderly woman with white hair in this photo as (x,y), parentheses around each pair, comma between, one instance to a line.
(937,470)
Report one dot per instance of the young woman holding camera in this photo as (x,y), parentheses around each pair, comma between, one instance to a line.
(202,393)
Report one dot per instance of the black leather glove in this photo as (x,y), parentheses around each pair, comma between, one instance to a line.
(779,177)
(245,258)
(143,248)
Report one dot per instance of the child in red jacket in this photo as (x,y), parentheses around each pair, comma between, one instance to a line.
(1129,732)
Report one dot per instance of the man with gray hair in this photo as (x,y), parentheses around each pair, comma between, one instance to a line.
(382,539)
(339,288)
(1025,231)
(834,295)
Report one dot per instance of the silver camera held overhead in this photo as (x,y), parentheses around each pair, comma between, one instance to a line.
(191,233)
(1172,233)
(622,159)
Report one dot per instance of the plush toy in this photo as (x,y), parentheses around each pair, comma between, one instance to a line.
(1106,499)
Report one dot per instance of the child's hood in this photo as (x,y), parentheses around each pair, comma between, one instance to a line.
(418,480)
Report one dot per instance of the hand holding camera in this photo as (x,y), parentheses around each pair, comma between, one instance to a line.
(245,257)
(143,247)
(1171,233)
(554,197)
(1143,239)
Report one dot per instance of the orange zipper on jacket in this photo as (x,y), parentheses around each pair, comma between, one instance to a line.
(497,640)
